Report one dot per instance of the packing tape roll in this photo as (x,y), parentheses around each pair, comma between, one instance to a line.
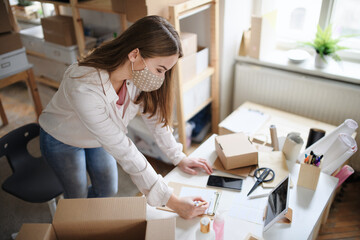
(292,146)
(315,134)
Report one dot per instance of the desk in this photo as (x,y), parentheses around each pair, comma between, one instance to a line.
(24,74)
(285,123)
(307,205)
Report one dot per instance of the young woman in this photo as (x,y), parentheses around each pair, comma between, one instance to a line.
(83,128)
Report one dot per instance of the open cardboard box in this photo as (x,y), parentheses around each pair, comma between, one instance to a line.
(100,218)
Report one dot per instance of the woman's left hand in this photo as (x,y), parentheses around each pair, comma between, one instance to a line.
(188,164)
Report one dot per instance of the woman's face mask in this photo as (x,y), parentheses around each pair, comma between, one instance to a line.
(145,80)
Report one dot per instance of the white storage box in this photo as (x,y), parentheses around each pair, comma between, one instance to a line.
(66,54)
(194,64)
(196,96)
(13,61)
(202,60)
(48,68)
(33,39)
(144,141)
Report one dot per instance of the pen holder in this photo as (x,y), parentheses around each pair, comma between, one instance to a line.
(308,176)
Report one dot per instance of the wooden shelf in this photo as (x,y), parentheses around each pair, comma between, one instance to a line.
(200,107)
(176,13)
(199,78)
(54,2)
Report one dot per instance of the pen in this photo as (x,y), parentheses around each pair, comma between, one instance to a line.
(258,196)
(198,203)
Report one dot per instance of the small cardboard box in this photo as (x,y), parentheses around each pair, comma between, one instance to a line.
(5,25)
(9,42)
(235,150)
(100,218)
(136,9)
(308,176)
(188,43)
(59,30)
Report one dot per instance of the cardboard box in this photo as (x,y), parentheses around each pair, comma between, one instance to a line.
(9,42)
(5,25)
(136,9)
(59,30)
(12,62)
(188,43)
(100,218)
(308,176)
(235,150)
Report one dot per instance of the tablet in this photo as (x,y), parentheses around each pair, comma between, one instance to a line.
(278,203)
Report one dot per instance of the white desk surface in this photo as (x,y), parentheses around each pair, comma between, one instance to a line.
(307,205)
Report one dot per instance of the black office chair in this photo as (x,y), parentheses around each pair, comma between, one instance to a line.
(32,180)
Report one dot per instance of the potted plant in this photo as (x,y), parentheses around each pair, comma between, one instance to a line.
(325,46)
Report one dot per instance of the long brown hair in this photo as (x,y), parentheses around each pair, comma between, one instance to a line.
(154,36)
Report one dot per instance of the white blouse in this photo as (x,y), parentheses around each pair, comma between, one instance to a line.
(84,114)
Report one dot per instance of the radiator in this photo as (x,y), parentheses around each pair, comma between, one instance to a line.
(318,98)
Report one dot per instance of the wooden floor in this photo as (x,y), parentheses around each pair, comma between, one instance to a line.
(344,217)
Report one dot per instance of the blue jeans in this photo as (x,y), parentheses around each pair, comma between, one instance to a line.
(72,163)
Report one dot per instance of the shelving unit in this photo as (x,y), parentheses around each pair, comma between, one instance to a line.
(176,13)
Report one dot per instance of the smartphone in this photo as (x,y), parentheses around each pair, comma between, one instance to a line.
(225,182)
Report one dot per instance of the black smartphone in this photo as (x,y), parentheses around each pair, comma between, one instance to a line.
(225,182)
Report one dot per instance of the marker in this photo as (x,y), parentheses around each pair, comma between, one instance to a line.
(258,196)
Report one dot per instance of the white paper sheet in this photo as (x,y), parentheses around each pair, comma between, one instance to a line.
(251,210)
(244,120)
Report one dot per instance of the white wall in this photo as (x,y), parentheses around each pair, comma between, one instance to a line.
(235,17)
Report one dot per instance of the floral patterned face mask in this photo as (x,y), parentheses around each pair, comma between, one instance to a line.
(145,80)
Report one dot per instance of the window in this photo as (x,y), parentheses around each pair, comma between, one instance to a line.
(346,21)
(297,21)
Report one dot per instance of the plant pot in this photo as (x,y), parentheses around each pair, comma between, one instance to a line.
(319,62)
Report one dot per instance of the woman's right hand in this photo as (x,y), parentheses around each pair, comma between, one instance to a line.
(185,207)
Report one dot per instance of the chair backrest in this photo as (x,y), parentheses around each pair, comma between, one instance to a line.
(14,144)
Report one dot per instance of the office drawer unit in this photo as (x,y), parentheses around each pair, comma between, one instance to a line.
(13,61)
(33,39)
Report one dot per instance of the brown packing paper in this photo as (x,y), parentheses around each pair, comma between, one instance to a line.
(251,236)
(241,172)
(245,43)
(277,162)
(177,189)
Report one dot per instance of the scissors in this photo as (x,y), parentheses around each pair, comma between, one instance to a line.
(262,177)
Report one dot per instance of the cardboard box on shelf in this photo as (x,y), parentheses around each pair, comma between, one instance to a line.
(5,25)
(235,150)
(9,42)
(188,43)
(101,218)
(59,30)
(136,9)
